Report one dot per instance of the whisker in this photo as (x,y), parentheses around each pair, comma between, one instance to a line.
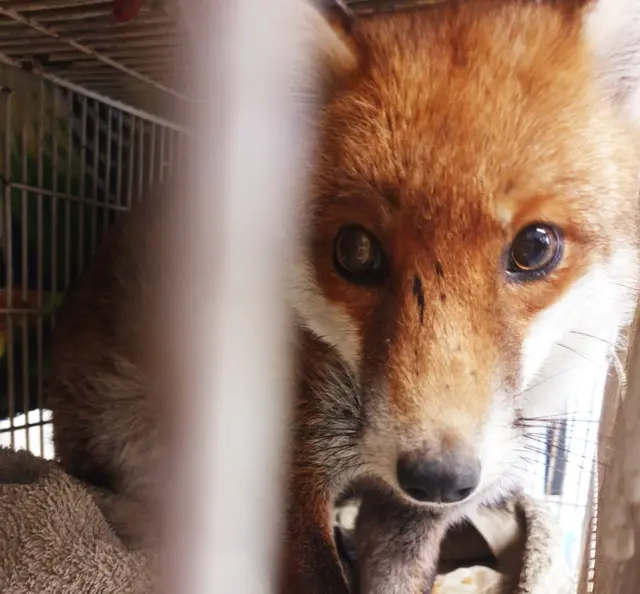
(569,450)
(576,461)
(553,439)
(563,415)
(546,379)
(598,338)
(623,286)
(577,353)
(569,453)
(569,429)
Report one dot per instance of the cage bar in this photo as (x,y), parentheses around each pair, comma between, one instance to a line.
(94,179)
(53,246)
(108,201)
(141,156)
(8,252)
(40,266)
(82,186)
(152,156)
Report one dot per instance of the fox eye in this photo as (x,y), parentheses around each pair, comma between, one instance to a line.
(535,251)
(358,256)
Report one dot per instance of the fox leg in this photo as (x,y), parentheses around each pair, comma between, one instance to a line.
(310,558)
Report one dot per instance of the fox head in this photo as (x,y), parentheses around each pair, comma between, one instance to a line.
(473,205)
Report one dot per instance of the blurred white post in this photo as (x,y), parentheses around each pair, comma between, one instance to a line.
(228,312)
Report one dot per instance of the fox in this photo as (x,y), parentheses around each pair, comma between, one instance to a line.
(473,225)
(471,222)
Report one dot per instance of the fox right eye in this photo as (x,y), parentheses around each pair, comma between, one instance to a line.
(358,256)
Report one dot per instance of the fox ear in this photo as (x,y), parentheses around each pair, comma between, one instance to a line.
(334,57)
(612,29)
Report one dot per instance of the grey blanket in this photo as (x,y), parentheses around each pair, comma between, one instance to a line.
(55,540)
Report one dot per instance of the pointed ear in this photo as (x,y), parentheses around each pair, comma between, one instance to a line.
(612,29)
(333,56)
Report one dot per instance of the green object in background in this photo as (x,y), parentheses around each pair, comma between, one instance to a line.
(50,302)
(35,169)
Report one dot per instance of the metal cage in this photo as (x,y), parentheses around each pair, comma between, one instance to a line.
(71,162)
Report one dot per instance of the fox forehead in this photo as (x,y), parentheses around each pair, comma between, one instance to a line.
(478,110)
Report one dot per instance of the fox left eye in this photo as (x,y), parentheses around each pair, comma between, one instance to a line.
(358,256)
(535,251)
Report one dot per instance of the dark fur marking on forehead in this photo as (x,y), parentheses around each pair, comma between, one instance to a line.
(418,292)
(439,269)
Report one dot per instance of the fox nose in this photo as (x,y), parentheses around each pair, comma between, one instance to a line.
(448,478)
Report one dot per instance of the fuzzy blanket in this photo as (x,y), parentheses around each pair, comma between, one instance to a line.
(55,540)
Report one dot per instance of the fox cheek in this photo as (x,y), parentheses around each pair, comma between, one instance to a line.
(326,320)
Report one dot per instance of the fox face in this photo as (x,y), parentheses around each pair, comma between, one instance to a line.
(473,210)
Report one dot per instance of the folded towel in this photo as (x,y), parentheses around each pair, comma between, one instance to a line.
(55,540)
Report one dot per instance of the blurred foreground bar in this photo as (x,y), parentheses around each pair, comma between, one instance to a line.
(236,222)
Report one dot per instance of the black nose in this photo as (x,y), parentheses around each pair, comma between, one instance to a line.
(448,478)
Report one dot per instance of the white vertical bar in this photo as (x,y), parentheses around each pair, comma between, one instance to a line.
(163,139)
(230,319)
(82,187)
(141,143)
(40,266)
(95,176)
(107,203)
(131,163)
(152,155)
(7,246)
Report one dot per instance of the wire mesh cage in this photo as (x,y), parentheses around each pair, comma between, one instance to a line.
(82,138)
(70,164)
(81,42)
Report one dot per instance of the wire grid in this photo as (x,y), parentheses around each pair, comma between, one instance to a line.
(70,165)
(564,470)
(80,42)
